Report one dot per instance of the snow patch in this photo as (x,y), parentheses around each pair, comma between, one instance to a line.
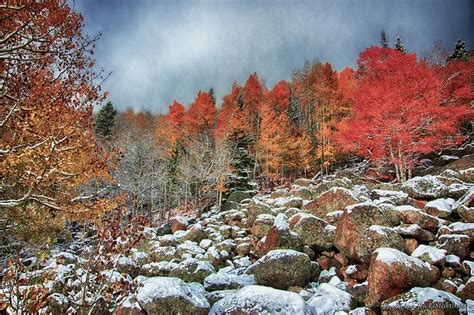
(328,300)
(432,253)
(392,255)
(255,299)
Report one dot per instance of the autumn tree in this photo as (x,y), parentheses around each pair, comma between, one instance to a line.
(252,98)
(105,121)
(48,154)
(175,121)
(129,115)
(322,103)
(397,113)
(285,148)
(228,116)
(201,116)
(272,142)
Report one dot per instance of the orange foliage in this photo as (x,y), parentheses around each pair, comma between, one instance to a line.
(229,111)
(201,115)
(48,152)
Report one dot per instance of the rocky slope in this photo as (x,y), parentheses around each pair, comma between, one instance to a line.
(329,246)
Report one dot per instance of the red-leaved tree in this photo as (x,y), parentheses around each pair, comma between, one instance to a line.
(397,112)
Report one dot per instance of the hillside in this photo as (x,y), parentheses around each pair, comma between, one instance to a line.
(336,244)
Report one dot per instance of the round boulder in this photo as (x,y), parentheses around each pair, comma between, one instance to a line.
(282,269)
(172,296)
(425,187)
(375,237)
(314,232)
(255,299)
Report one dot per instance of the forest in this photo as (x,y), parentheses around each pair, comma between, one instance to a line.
(257,137)
(69,159)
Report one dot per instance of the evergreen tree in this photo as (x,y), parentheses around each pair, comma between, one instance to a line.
(383,39)
(105,121)
(400,46)
(172,176)
(241,163)
(212,94)
(460,51)
(240,101)
(293,111)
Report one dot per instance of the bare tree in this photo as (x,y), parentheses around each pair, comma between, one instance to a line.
(437,55)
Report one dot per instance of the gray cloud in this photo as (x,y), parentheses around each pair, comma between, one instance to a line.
(163,50)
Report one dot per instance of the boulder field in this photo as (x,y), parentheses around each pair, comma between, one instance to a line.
(325,246)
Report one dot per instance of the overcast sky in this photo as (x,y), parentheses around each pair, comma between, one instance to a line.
(159,51)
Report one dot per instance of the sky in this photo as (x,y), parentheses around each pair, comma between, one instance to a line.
(160,51)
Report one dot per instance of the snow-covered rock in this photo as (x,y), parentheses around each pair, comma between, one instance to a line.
(430,254)
(226,281)
(205,244)
(190,248)
(280,236)
(374,237)
(192,270)
(163,253)
(459,228)
(282,269)
(425,187)
(314,232)
(441,208)
(289,202)
(415,231)
(396,197)
(262,225)
(328,300)
(155,269)
(255,299)
(355,220)
(336,198)
(422,299)
(455,244)
(129,306)
(412,215)
(171,295)
(392,272)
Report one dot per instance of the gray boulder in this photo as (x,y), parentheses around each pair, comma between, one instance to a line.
(282,269)
(255,299)
(160,295)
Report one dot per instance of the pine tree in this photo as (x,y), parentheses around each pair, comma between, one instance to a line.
(173,175)
(293,111)
(241,162)
(105,121)
(460,51)
(240,101)
(213,96)
(400,46)
(383,39)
